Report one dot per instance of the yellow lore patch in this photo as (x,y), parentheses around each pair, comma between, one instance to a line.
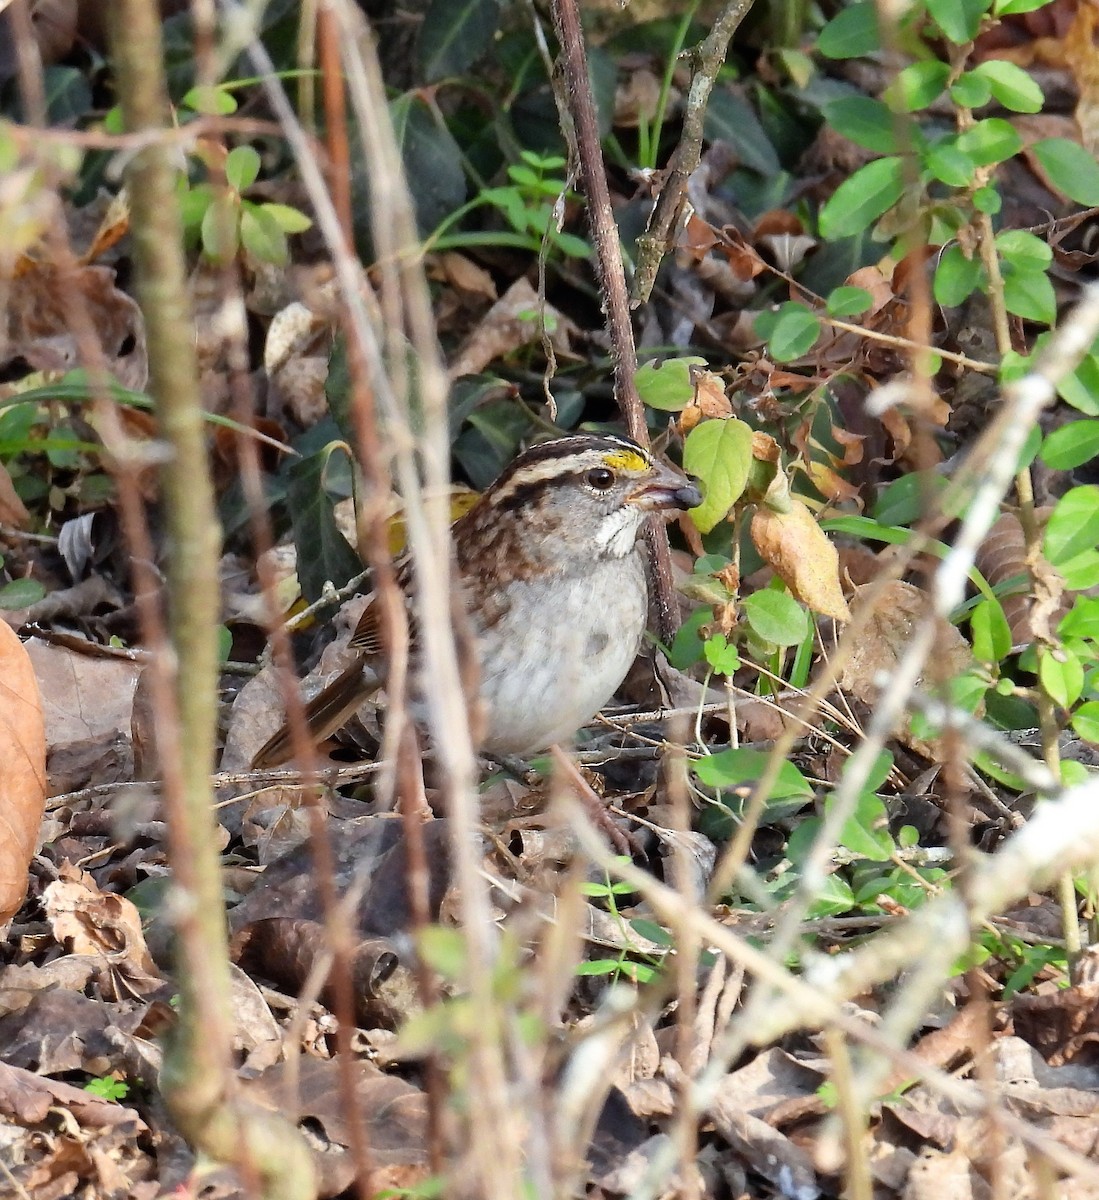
(627,460)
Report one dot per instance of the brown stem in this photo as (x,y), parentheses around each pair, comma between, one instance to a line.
(612,281)
(664,220)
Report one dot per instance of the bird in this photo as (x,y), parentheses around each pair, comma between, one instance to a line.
(551,577)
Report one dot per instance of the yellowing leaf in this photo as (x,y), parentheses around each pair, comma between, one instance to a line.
(802,556)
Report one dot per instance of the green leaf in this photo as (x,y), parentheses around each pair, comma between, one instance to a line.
(848,301)
(1081,571)
(987,200)
(970,90)
(733,120)
(289,220)
(958,19)
(221,229)
(908,498)
(213,101)
(1023,250)
(432,161)
(776,617)
(193,204)
(1085,721)
(956,277)
(1071,446)
(834,898)
(262,236)
(851,33)
(1071,168)
(917,85)
(20,593)
(719,453)
(792,330)
(1073,526)
(1030,295)
(866,122)
(721,656)
(1082,621)
(991,634)
(1011,85)
(1007,8)
(1081,388)
(242,166)
(866,832)
(443,949)
(1061,676)
(667,385)
(732,768)
(949,164)
(323,552)
(860,200)
(454,35)
(990,141)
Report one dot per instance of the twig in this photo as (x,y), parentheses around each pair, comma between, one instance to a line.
(819,999)
(612,279)
(197,1077)
(664,220)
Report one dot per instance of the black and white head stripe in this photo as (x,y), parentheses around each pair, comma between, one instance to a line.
(572,455)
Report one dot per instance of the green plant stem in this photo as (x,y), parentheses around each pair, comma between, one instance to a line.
(666,83)
(197,1078)
(1024,491)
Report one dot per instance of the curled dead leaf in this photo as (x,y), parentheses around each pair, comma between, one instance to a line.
(39,330)
(513,321)
(801,555)
(1003,556)
(898,610)
(709,400)
(23,752)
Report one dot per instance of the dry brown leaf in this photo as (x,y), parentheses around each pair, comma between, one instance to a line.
(23,753)
(87,704)
(638,99)
(1002,556)
(12,510)
(697,239)
(513,321)
(463,274)
(28,1098)
(899,608)
(744,260)
(1082,56)
(708,402)
(39,329)
(88,921)
(802,556)
(395,1113)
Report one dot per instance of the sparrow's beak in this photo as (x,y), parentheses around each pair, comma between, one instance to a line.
(667,487)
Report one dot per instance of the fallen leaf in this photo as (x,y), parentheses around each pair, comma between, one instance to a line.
(12,510)
(87,707)
(39,329)
(23,753)
(513,321)
(87,920)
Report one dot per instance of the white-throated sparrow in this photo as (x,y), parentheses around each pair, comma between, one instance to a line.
(553,581)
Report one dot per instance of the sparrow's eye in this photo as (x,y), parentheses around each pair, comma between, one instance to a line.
(600,478)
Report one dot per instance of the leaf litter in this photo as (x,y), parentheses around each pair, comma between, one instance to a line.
(85,990)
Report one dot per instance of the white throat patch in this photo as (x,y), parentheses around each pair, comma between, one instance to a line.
(617,531)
